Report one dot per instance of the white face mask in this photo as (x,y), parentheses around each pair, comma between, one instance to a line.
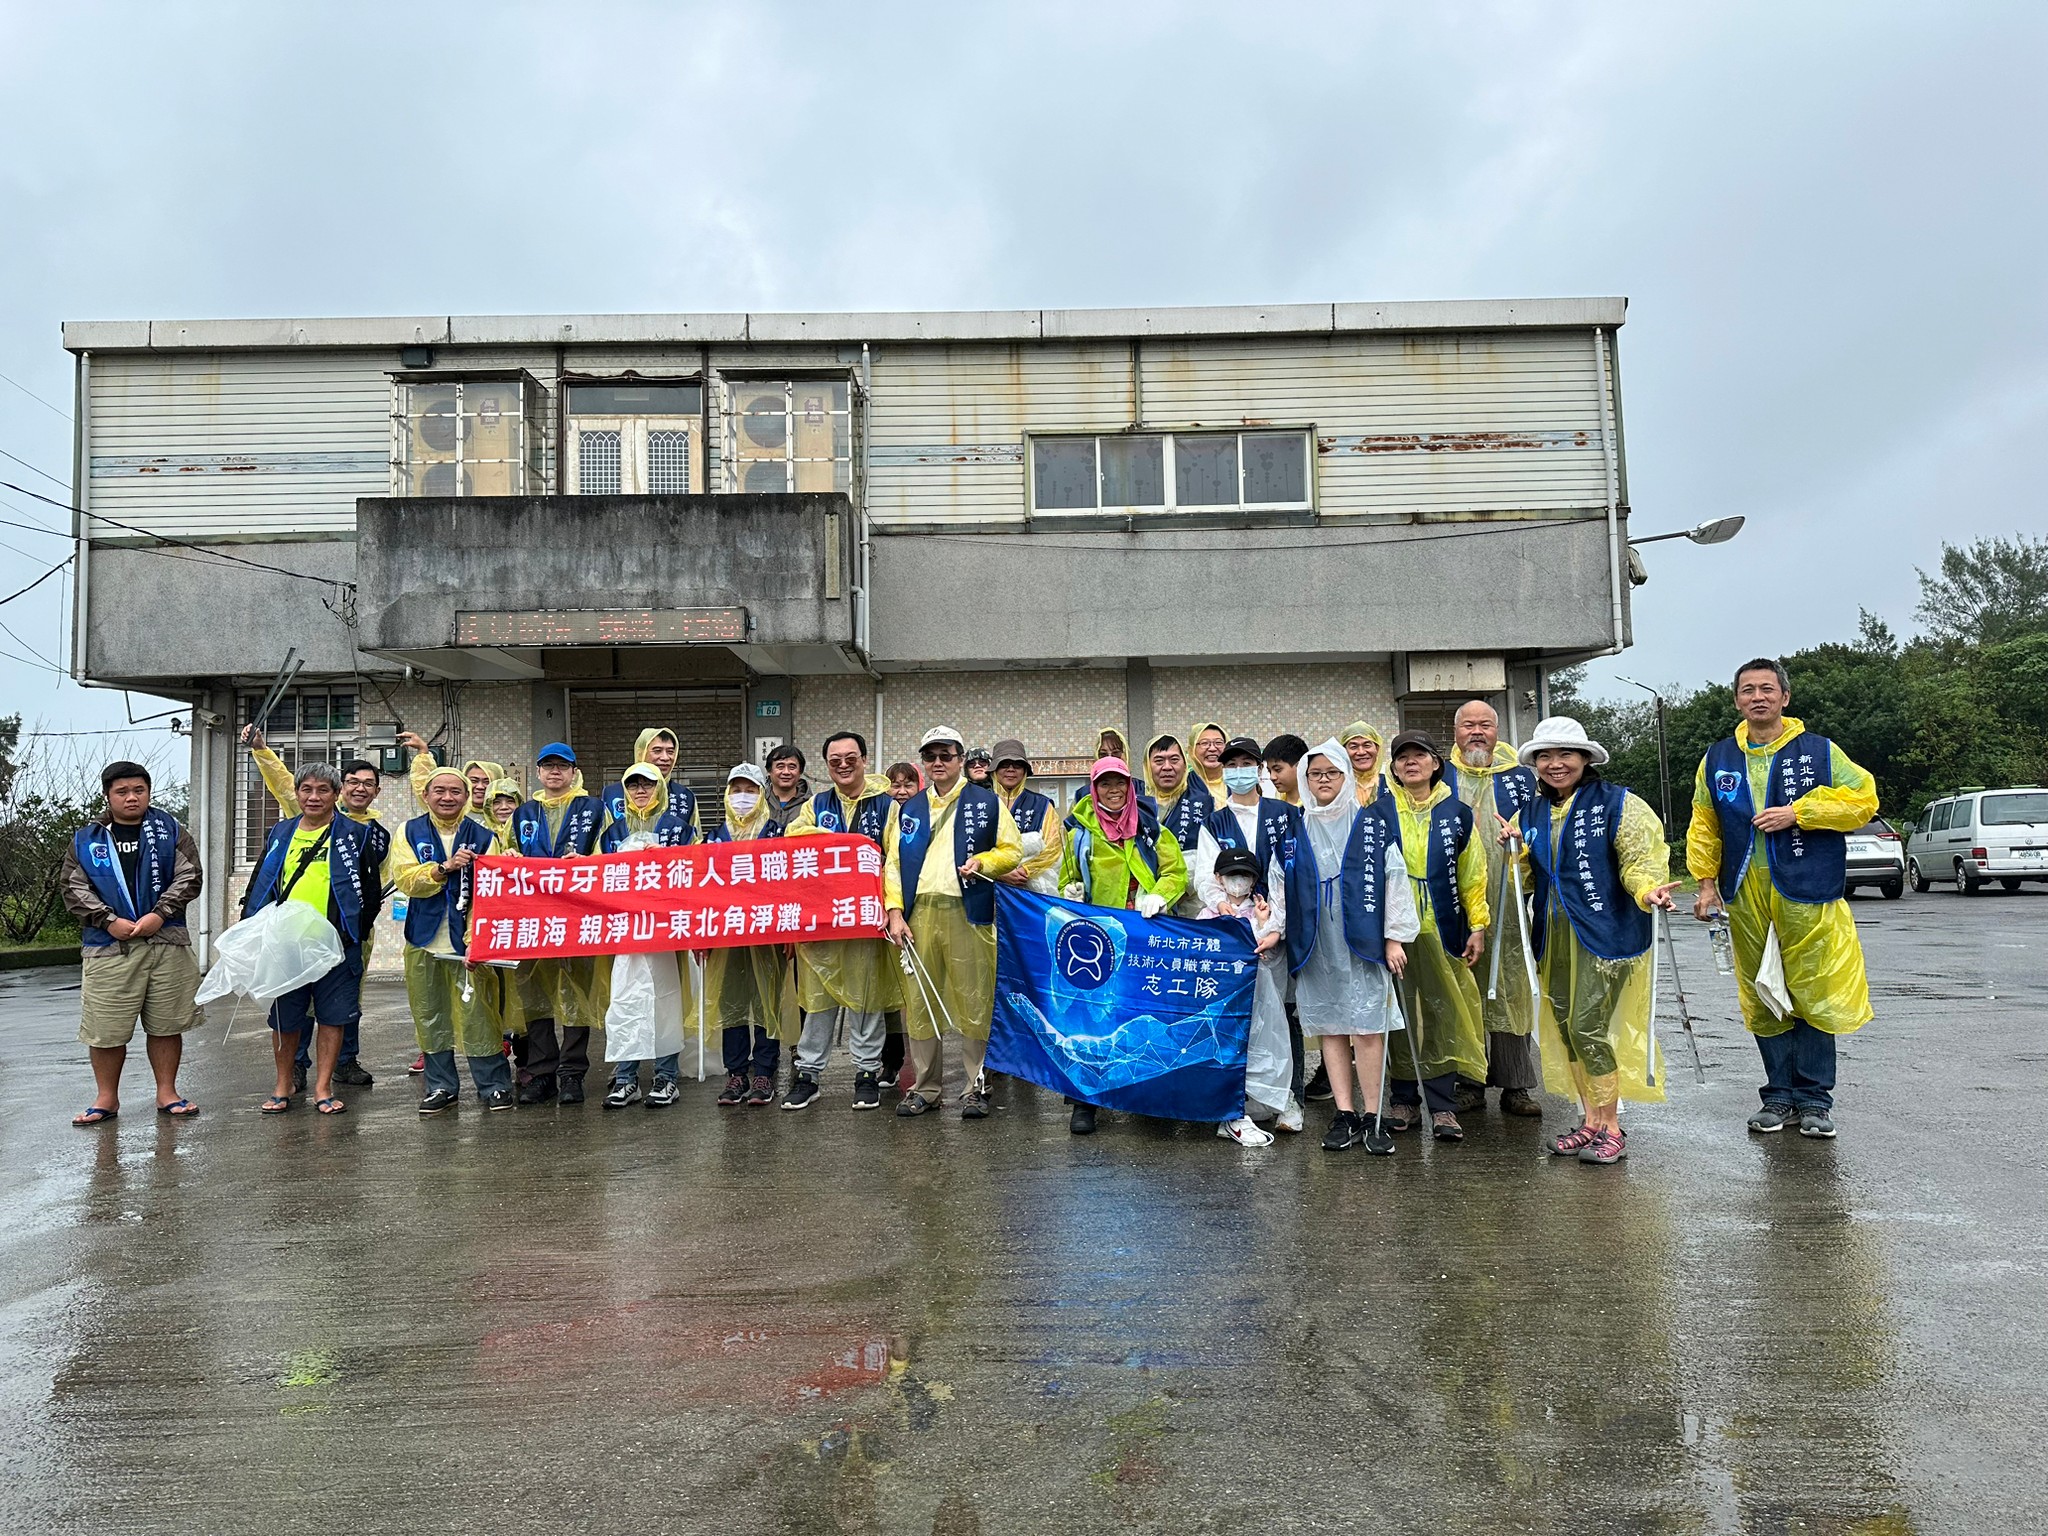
(1239,779)
(1237,887)
(743,800)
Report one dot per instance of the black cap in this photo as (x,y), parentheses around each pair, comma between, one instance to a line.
(1237,861)
(1407,739)
(1243,746)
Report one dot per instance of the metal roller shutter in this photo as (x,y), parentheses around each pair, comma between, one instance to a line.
(709,727)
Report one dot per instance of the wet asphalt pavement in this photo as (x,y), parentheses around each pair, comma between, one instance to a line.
(749,1320)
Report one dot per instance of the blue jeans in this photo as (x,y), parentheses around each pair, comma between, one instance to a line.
(336,1000)
(748,1050)
(1799,1067)
(490,1073)
(667,1069)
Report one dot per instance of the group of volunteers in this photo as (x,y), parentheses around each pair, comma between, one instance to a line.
(1427,914)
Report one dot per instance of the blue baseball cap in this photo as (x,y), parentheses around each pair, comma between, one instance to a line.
(560,749)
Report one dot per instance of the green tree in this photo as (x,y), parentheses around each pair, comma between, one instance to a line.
(1988,591)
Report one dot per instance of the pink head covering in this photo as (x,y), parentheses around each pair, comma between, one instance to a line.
(1123,825)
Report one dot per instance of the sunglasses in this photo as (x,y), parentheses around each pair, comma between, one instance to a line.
(938,755)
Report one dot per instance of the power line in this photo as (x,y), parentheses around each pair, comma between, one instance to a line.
(39,400)
(112,730)
(53,570)
(62,485)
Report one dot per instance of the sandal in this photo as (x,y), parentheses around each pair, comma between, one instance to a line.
(178,1109)
(276,1104)
(330,1106)
(96,1114)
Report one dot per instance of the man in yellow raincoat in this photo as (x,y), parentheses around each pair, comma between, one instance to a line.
(1181,800)
(1770,807)
(479,773)
(946,844)
(564,999)
(1366,748)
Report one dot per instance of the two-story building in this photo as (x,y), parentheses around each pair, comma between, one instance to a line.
(500,531)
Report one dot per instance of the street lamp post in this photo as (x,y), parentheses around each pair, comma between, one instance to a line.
(1717,530)
(1663,754)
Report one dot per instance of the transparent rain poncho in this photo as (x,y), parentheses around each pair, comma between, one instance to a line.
(1336,992)
(860,974)
(443,1019)
(1503,968)
(1439,995)
(746,986)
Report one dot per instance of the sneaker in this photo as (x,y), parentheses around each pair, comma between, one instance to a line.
(867,1090)
(352,1074)
(537,1091)
(419,1065)
(1403,1117)
(437,1102)
(734,1091)
(912,1103)
(1082,1121)
(1573,1142)
(1816,1122)
(1245,1132)
(569,1090)
(1605,1147)
(1319,1089)
(666,1091)
(975,1105)
(496,1099)
(1346,1130)
(1379,1142)
(1290,1120)
(1471,1097)
(1772,1117)
(800,1094)
(298,1079)
(760,1092)
(623,1094)
(1444,1127)
(1520,1101)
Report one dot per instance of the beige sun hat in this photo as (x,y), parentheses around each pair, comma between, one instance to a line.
(1561,731)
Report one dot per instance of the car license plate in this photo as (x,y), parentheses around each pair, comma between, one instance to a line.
(1863,846)
(2028,855)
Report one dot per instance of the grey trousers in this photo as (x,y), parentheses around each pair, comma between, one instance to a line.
(1511,1062)
(865,1033)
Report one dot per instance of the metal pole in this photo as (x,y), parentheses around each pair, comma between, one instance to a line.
(1664,768)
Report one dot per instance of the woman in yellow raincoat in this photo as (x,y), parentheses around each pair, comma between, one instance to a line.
(1599,869)
(1206,742)
(1770,805)
(744,984)
(1446,859)
(1367,749)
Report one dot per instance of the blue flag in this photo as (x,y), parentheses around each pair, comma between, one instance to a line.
(1147,1015)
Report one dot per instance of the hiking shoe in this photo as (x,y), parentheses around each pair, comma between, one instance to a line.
(800,1094)
(538,1091)
(1319,1089)
(622,1094)
(1378,1141)
(912,1103)
(569,1090)
(666,1091)
(1082,1121)
(1403,1117)
(1290,1119)
(761,1092)
(352,1074)
(1815,1122)
(1245,1132)
(1444,1127)
(1346,1131)
(1471,1097)
(975,1105)
(867,1090)
(496,1099)
(1573,1142)
(1520,1101)
(1605,1147)
(419,1065)
(298,1079)
(734,1091)
(1772,1117)
(438,1102)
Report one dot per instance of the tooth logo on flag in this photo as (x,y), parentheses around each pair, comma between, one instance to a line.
(1085,955)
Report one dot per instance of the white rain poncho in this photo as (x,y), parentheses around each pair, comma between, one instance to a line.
(1269,1053)
(1336,992)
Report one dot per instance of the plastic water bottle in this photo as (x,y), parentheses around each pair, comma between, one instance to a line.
(1724,946)
(398,908)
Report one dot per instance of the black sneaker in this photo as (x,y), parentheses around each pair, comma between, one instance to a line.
(1379,1141)
(1346,1131)
(734,1091)
(537,1090)
(867,1090)
(912,1103)
(497,1098)
(1816,1123)
(623,1094)
(760,1092)
(1319,1089)
(570,1090)
(437,1102)
(975,1105)
(1082,1121)
(352,1074)
(298,1079)
(1771,1119)
(801,1092)
(666,1091)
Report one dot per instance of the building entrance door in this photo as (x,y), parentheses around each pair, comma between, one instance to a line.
(708,723)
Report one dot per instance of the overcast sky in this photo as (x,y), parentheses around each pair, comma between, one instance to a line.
(1828,220)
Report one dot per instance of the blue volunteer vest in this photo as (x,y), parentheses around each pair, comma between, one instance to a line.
(1513,788)
(94,846)
(870,815)
(1807,864)
(1030,809)
(1190,812)
(682,801)
(1361,890)
(1146,841)
(425,914)
(1277,829)
(581,819)
(349,853)
(723,834)
(1584,873)
(1450,829)
(975,817)
(669,831)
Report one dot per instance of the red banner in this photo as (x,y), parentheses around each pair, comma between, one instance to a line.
(705,896)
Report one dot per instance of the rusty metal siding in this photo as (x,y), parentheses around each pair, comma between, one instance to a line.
(1406,424)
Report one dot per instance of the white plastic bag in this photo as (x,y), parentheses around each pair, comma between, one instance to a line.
(283,947)
(1770,978)
(1269,1056)
(645,1017)
(1047,881)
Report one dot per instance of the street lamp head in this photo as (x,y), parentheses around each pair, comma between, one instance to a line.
(1719,531)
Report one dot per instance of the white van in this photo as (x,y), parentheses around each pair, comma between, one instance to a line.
(1977,835)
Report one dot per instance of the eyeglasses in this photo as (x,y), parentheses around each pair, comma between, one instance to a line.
(939,755)
(1325,775)
(852,760)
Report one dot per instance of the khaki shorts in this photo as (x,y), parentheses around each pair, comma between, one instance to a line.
(122,982)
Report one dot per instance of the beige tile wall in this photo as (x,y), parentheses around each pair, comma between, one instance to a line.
(1311,700)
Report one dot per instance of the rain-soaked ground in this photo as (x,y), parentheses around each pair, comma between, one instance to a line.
(747,1320)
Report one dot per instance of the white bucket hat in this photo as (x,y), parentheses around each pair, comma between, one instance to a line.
(1561,731)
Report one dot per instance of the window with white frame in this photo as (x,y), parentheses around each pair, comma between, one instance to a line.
(310,725)
(633,439)
(1143,472)
(788,435)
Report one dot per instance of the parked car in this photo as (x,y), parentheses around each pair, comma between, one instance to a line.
(1976,835)
(1876,856)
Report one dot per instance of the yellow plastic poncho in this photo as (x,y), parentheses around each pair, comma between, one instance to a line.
(641,744)
(861,974)
(1503,963)
(1368,787)
(436,977)
(1111,741)
(1043,861)
(1167,799)
(502,827)
(959,956)
(745,985)
(424,768)
(1439,997)
(1593,1015)
(573,991)
(1212,779)
(1822,956)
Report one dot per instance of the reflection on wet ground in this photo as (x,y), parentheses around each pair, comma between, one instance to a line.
(757,1321)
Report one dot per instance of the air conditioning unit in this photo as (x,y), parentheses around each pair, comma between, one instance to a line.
(811,419)
(435,450)
(490,417)
(761,436)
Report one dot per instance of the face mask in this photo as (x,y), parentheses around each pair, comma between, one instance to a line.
(743,801)
(1240,780)
(1237,887)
